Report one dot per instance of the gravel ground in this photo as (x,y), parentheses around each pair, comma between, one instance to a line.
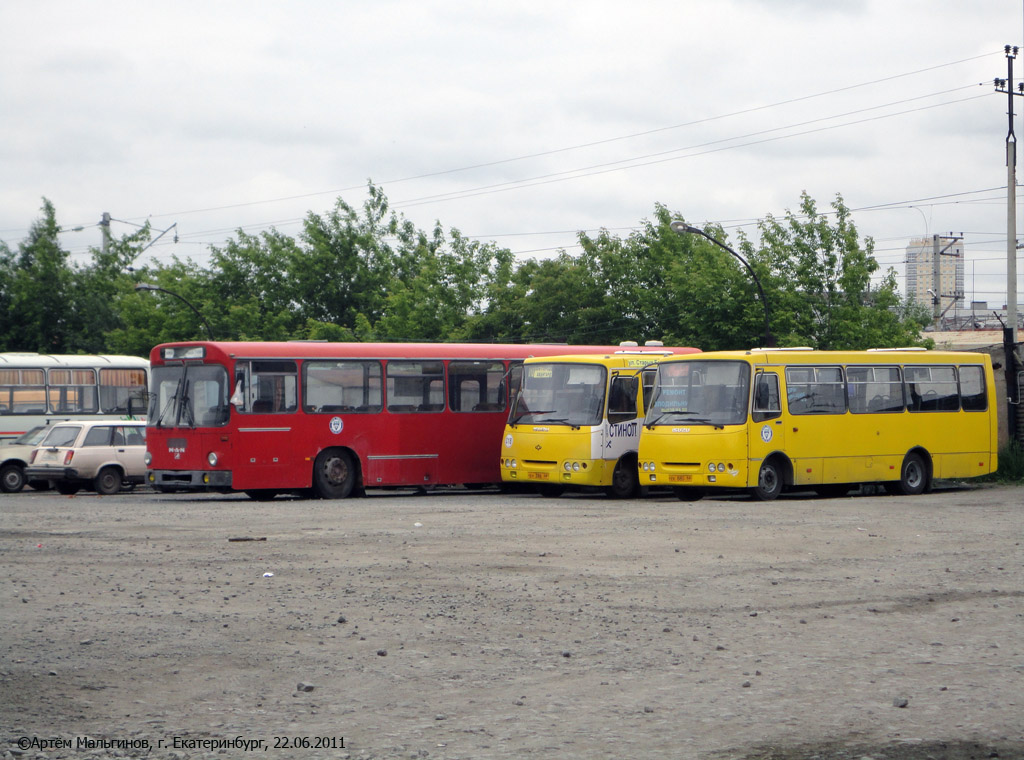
(469,625)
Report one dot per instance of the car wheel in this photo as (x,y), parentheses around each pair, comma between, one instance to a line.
(67,489)
(108,481)
(12,478)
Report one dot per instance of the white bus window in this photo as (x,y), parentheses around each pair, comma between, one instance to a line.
(123,391)
(22,391)
(72,391)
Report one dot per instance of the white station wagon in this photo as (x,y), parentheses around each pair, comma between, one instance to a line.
(103,455)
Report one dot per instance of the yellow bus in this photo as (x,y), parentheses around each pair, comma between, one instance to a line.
(575,422)
(765,420)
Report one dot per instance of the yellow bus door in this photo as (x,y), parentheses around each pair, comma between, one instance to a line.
(767,433)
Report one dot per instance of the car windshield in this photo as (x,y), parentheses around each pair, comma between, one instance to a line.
(700,393)
(30,438)
(62,435)
(560,394)
(189,395)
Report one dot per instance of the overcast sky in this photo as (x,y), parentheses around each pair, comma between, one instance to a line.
(520,123)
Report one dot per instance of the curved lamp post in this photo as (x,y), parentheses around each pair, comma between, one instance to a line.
(139,286)
(681,228)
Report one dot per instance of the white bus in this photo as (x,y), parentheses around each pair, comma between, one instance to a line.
(37,389)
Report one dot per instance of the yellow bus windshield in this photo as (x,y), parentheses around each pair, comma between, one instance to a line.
(561,394)
(700,393)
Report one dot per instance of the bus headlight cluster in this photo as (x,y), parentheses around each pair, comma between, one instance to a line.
(574,466)
(647,466)
(720,467)
(212,458)
(510,463)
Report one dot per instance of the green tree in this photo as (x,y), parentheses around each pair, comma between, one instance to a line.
(253,295)
(818,278)
(495,318)
(153,317)
(98,289)
(683,290)
(37,283)
(439,283)
(344,266)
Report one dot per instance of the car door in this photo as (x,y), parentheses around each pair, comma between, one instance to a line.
(130,449)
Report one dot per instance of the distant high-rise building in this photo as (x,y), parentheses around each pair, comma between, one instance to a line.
(922,271)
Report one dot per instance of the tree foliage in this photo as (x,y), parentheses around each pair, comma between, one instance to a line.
(369,274)
(820,275)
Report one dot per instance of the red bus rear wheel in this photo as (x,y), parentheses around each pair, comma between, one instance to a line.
(334,475)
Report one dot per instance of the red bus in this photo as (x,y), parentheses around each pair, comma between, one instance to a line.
(331,419)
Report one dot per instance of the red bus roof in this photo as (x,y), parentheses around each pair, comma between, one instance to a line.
(318,350)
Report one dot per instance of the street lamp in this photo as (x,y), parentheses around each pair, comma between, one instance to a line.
(680,227)
(139,286)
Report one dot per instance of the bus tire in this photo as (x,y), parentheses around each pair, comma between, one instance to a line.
(769,481)
(688,493)
(914,478)
(108,481)
(551,492)
(625,480)
(67,489)
(334,474)
(12,478)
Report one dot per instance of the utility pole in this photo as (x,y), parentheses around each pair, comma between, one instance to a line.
(105,230)
(936,290)
(1006,85)
(1010,332)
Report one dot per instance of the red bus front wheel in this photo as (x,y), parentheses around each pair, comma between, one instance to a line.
(334,475)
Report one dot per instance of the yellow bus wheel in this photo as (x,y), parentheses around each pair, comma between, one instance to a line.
(625,480)
(769,481)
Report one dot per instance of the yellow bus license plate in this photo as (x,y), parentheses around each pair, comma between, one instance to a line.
(537,476)
(680,478)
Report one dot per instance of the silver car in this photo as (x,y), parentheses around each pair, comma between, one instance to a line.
(103,455)
(14,454)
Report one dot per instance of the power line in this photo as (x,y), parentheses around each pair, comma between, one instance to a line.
(606,168)
(581,146)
